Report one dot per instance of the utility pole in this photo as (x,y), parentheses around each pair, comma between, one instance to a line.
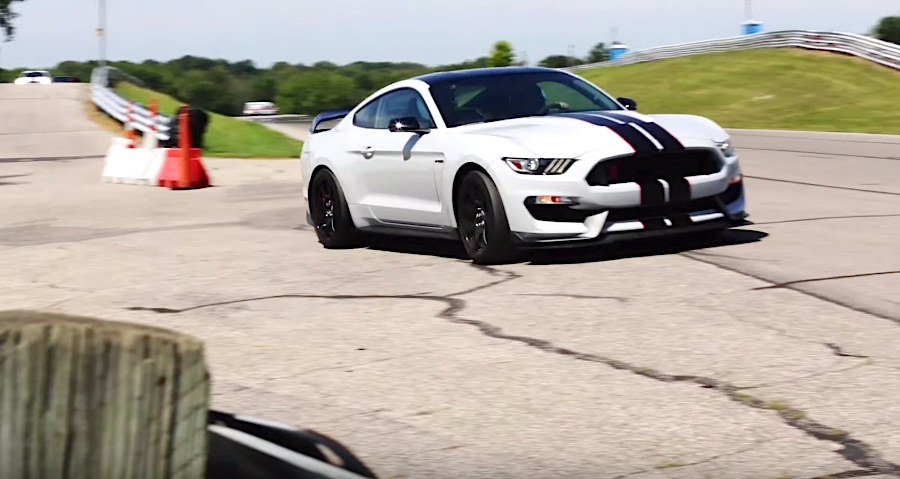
(748,9)
(570,54)
(101,31)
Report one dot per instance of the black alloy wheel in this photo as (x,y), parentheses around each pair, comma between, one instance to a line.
(329,212)
(481,220)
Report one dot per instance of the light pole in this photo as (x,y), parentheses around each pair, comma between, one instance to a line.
(748,10)
(101,31)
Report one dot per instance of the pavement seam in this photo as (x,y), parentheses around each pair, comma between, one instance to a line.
(845,155)
(853,450)
(829,278)
(818,185)
(822,297)
(826,218)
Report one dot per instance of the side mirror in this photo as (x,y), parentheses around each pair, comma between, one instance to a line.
(408,125)
(628,103)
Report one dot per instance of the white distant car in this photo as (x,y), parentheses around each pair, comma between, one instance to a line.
(34,76)
(260,108)
(515,156)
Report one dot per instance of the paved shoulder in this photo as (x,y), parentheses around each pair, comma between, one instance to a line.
(48,122)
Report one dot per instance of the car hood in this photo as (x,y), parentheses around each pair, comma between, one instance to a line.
(566,137)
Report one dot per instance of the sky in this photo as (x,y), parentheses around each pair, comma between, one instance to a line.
(431,32)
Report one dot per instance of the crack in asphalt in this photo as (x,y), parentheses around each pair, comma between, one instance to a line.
(808,376)
(575,296)
(852,449)
(697,463)
(840,352)
(824,218)
(731,256)
(790,286)
(803,183)
(830,278)
(835,349)
(849,474)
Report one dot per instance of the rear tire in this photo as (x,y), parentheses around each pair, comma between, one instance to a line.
(481,220)
(330,213)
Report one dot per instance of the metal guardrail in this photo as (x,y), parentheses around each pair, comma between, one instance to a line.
(885,53)
(116,106)
(286,118)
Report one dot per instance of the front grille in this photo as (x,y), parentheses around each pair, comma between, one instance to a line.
(634,168)
(665,211)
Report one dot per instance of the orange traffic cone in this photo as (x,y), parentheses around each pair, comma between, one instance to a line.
(129,125)
(183,166)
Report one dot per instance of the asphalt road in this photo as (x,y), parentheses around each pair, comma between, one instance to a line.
(768,356)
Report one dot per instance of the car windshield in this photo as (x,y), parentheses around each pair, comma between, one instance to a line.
(494,97)
(35,74)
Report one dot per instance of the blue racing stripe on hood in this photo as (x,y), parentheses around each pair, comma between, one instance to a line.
(641,144)
(666,139)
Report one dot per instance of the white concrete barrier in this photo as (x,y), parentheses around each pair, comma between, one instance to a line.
(131,164)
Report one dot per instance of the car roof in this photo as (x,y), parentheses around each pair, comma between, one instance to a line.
(435,77)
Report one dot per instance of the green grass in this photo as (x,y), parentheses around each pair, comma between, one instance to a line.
(225,136)
(789,89)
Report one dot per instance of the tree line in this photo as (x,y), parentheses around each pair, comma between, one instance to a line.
(223,87)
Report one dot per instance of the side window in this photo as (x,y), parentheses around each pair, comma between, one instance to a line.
(402,104)
(556,92)
(365,117)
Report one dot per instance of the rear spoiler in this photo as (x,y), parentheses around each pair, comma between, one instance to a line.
(327,116)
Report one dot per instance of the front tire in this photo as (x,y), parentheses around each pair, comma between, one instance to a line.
(330,213)
(481,220)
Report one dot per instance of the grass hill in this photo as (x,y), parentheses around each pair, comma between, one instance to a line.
(790,89)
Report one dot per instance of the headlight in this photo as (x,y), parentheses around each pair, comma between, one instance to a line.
(539,166)
(727,148)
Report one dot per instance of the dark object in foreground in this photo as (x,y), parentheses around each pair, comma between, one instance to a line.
(85,398)
(198,121)
(74,390)
(246,448)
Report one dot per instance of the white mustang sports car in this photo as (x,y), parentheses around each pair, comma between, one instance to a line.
(511,157)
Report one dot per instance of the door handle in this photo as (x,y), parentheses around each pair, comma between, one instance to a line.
(368,153)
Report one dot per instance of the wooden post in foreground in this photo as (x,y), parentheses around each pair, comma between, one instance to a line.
(82,398)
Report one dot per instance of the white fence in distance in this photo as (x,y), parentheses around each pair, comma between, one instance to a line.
(116,106)
(885,53)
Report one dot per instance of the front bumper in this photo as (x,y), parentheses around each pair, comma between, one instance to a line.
(720,218)
(608,212)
